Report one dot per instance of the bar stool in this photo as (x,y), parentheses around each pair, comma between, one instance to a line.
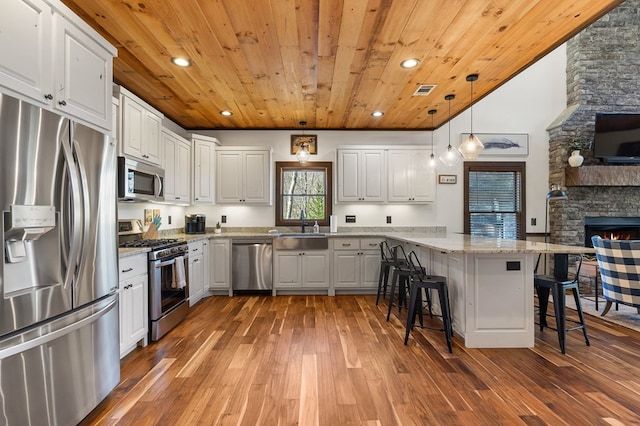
(386,262)
(558,284)
(401,273)
(421,280)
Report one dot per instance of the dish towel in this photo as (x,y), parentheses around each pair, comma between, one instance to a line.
(181,281)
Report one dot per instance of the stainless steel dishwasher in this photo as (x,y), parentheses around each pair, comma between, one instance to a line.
(252,265)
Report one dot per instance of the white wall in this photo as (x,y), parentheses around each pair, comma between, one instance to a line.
(525,104)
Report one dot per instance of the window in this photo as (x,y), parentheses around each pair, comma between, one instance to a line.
(303,188)
(494,199)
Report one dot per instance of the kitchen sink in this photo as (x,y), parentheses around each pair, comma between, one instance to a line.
(301,242)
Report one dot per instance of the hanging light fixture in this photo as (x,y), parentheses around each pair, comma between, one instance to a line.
(471,146)
(451,156)
(302,154)
(432,157)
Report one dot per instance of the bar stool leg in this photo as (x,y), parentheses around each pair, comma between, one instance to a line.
(443,294)
(383,280)
(559,307)
(576,298)
(392,291)
(411,317)
(543,303)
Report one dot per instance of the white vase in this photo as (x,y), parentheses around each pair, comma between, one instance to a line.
(217,230)
(575,159)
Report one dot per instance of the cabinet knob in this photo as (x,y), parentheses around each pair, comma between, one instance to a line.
(63,103)
(48,96)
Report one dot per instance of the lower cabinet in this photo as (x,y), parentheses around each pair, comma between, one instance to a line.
(308,269)
(356,263)
(134,318)
(198,270)
(219,265)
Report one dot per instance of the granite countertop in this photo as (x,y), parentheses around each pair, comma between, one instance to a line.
(433,239)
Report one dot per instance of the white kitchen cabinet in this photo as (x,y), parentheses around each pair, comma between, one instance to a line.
(203,152)
(220,265)
(198,270)
(356,263)
(411,180)
(139,128)
(361,175)
(243,176)
(54,59)
(134,319)
(308,269)
(176,162)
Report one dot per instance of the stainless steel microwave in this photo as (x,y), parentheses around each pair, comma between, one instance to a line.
(139,181)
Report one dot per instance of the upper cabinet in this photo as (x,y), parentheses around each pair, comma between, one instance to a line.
(204,157)
(361,175)
(176,162)
(243,175)
(409,176)
(55,60)
(139,128)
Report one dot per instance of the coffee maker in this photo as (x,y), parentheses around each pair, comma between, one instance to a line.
(194,224)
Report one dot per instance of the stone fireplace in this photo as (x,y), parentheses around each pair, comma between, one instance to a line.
(603,68)
(611,227)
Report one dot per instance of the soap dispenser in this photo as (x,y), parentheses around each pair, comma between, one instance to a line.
(316,228)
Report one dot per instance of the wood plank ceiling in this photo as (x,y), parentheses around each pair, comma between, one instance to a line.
(331,63)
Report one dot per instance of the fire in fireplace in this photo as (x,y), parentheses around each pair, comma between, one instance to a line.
(611,228)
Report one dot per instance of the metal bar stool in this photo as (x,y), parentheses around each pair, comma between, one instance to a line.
(386,262)
(420,280)
(401,273)
(558,284)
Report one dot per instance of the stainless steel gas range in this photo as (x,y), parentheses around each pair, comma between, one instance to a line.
(168,277)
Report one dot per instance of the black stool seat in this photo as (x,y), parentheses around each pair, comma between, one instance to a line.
(558,285)
(420,280)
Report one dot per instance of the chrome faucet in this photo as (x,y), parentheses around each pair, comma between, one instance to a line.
(302,222)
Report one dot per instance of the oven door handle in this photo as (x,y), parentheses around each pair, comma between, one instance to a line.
(167,263)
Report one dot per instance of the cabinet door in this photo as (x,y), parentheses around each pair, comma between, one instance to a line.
(139,316)
(169,156)
(316,272)
(288,269)
(423,178)
(151,125)
(348,176)
(183,172)
(83,76)
(346,264)
(196,279)
(203,173)
(370,261)
(398,176)
(229,177)
(132,122)
(256,186)
(219,264)
(373,176)
(25,40)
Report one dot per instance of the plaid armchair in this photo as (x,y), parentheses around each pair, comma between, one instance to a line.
(619,262)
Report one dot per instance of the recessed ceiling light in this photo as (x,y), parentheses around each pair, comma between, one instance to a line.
(181,62)
(410,63)
(377,114)
(226,113)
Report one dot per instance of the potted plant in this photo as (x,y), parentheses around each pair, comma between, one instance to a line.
(575,159)
(218,229)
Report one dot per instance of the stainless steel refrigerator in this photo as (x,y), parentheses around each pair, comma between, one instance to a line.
(59,341)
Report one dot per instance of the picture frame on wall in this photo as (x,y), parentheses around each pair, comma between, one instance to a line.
(498,144)
(310,140)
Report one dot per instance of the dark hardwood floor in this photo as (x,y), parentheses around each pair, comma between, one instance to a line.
(318,360)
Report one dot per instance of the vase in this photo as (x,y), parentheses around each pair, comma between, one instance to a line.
(217,230)
(575,159)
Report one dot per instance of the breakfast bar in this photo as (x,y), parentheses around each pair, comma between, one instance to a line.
(490,283)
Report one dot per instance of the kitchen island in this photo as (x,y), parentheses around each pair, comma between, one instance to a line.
(490,283)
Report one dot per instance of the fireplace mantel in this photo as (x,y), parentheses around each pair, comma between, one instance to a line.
(628,175)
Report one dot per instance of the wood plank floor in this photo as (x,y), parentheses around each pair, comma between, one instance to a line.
(318,360)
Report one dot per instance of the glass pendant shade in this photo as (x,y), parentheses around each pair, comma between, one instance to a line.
(450,157)
(432,161)
(470,147)
(303,154)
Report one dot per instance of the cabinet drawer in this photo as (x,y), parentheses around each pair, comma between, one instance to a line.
(195,248)
(346,244)
(131,266)
(370,244)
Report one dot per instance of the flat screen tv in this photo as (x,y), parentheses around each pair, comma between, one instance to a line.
(617,137)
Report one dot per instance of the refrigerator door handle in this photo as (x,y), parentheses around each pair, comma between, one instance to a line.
(40,340)
(84,205)
(75,223)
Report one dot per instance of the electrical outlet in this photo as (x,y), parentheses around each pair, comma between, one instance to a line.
(533,221)
(388,219)
(350,219)
(169,220)
(224,218)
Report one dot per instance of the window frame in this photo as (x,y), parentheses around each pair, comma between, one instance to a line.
(495,166)
(326,166)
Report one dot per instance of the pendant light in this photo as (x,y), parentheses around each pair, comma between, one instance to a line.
(303,146)
(432,157)
(451,156)
(471,146)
